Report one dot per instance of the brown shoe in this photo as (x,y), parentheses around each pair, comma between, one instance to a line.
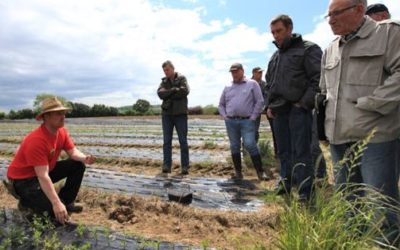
(74,208)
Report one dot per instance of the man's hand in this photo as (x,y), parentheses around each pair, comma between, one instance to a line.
(270,114)
(77,155)
(89,159)
(60,212)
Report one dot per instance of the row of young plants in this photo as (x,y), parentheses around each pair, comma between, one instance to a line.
(41,233)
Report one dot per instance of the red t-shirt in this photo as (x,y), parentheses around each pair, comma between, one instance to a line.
(39,148)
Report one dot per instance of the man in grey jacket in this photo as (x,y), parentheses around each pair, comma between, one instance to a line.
(361,79)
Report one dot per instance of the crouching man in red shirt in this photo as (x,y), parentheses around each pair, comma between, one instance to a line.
(35,168)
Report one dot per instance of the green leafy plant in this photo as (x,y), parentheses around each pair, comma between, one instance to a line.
(210,145)
(107,234)
(5,244)
(51,242)
(205,244)
(95,235)
(17,236)
(80,230)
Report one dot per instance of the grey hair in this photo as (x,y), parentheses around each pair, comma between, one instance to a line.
(167,63)
(364,3)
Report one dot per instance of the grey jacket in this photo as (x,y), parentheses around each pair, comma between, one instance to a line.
(175,101)
(361,78)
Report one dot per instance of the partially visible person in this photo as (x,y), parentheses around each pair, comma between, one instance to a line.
(35,166)
(173,92)
(257,76)
(240,105)
(292,80)
(378,12)
(361,80)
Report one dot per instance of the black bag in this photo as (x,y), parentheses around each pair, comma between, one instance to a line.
(320,105)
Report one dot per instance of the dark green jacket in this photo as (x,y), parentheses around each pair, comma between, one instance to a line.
(174,96)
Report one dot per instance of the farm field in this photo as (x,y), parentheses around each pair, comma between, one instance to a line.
(124,192)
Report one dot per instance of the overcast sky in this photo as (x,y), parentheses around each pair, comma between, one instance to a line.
(110,51)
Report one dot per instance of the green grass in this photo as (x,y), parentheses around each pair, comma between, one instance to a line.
(336,219)
(332,222)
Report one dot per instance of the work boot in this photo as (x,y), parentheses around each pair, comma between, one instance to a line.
(166,170)
(74,208)
(185,170)
(257,163)
(237,163)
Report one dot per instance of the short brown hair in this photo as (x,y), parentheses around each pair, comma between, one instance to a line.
(285,19)
(167,63)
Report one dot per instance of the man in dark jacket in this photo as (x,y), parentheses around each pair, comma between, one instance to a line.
(292,80)
(174,90)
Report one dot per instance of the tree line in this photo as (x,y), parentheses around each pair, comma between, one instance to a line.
(141,107)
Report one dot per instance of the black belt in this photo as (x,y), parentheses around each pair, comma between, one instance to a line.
(239,117)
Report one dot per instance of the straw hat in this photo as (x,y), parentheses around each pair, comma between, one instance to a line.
(49,105)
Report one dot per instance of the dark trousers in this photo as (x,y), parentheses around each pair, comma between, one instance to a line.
(293,137)
(32,196)
(258,123)
(181,125)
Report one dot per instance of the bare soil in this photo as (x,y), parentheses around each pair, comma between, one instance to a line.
(167,221)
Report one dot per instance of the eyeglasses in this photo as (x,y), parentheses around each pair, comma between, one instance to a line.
(336,13)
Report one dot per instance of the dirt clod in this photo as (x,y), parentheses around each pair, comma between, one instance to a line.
(122,214)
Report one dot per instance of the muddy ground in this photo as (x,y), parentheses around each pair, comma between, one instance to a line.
(154,219)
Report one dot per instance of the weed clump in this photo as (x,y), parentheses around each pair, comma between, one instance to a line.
(349,217)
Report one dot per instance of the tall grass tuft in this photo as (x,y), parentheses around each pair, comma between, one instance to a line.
(332,222)
(336,219)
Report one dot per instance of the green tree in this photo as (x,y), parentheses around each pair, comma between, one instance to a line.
(197,110)
(141,106)
(25,114)
(103,110)
(79,110)
(210,110)
(12,115)
(2,115)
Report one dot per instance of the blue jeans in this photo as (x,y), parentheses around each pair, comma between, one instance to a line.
(293,138)
(242,129)
(181,126)
(378,168)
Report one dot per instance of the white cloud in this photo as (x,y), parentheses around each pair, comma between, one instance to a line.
(321,35)
(105,51)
